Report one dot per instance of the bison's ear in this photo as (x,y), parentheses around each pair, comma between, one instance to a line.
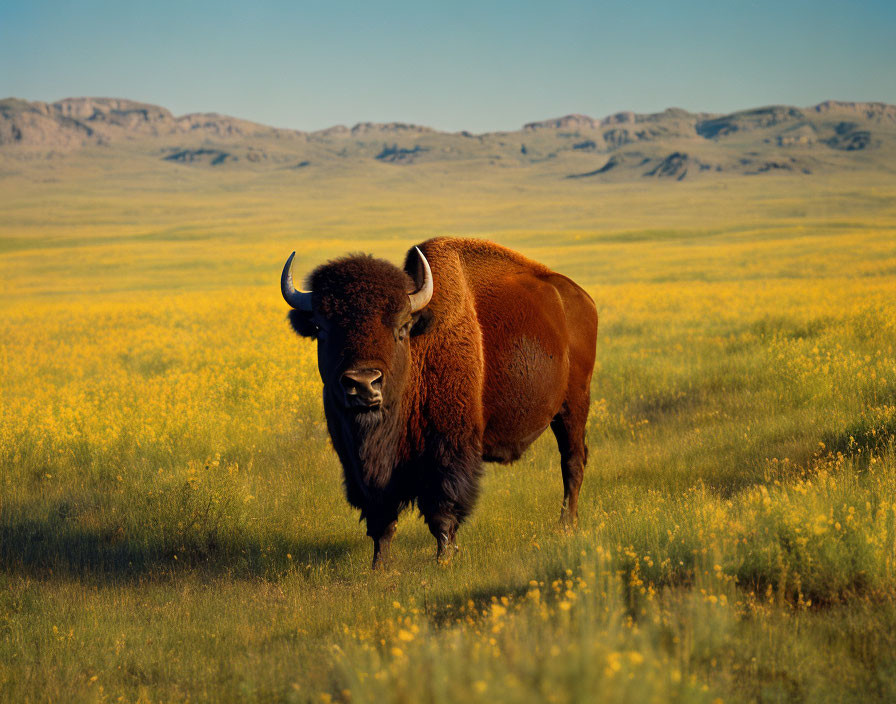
(422,320)
(301,323)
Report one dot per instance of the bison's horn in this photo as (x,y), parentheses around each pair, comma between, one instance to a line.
(299,300)
(420,298)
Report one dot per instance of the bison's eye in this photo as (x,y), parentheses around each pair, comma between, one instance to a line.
(322,326)
(403,331)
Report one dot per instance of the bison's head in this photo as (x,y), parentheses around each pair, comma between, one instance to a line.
(361,310)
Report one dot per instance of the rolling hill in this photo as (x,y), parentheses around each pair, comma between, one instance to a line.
(674,144)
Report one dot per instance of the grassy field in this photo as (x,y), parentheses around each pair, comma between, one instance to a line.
(172,525)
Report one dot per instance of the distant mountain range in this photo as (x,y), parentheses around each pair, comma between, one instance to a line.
(674,144)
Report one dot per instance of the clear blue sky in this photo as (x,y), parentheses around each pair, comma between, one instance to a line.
(452,65)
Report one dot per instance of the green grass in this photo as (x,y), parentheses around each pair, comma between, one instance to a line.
(172,525)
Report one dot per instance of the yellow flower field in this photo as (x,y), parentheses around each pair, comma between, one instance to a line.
(172,524)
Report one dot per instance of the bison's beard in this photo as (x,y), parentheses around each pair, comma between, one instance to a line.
(367,420)
(378,434)
(368,443)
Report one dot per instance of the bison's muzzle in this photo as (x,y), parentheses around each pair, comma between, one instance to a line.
(363,388)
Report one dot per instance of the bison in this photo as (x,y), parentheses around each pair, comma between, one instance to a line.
(466,355)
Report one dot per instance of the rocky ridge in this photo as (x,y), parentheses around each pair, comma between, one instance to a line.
(673,144)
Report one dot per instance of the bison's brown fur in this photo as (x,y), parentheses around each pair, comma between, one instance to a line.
(504,349)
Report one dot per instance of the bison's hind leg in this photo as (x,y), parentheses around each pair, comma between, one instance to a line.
(569,429)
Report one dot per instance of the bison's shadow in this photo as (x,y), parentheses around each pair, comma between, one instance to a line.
(49,547)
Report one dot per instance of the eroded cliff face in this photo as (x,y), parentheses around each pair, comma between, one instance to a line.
(673,144)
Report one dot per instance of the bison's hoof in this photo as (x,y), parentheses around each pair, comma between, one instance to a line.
(446,553)
(568,523)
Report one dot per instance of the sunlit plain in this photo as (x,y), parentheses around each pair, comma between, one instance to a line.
(172,525)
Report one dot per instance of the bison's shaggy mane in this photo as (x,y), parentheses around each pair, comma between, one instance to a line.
(355,286)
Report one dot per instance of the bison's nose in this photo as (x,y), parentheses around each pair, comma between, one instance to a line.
(363,387)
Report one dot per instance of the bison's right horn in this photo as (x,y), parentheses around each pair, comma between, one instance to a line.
(420,298)
(299,300)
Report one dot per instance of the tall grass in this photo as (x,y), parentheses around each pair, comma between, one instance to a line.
(172,525)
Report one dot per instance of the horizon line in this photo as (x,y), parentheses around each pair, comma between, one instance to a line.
(604,120)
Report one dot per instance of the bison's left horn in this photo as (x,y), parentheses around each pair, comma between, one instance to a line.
(420,298)
(299,300)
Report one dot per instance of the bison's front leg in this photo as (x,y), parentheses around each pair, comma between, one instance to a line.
(381,530)
(449,499)
(444,529)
